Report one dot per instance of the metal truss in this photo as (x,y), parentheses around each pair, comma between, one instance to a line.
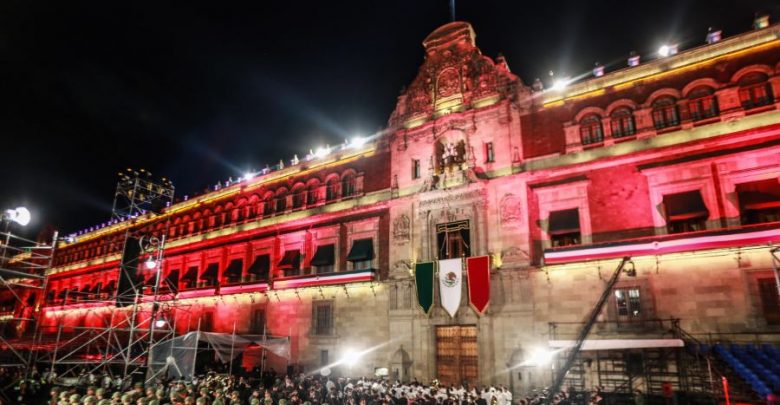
(23,265)
(137,192)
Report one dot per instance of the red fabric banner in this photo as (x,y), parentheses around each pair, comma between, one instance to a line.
(478,269)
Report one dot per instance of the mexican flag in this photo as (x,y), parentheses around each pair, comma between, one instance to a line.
(423,277)
(450,284)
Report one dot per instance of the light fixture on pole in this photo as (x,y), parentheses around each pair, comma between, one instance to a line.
(20,215)
(150,263)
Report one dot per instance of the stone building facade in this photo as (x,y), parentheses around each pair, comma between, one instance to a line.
(674,162)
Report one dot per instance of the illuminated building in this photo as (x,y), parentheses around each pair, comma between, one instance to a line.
(674,162)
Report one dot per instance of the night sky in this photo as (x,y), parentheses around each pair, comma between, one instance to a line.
(200,93)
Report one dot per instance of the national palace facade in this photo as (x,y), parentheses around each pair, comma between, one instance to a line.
(673,162)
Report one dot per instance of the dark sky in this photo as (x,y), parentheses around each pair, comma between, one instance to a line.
(202,92)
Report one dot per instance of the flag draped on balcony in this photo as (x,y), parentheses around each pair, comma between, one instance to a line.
(450,284)
(478,269)
(423,277)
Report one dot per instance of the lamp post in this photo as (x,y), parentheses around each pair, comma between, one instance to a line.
(19,215)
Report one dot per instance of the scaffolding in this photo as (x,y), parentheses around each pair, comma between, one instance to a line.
(136,320)
(23,265)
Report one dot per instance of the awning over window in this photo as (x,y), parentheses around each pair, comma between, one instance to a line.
(234,268)
(172,280)
(62,294)
(291,259)
(191,274)
(758,195)
(211,272)
(685,205)
(362,249)
(564,221)
(96,288)
(324,256)
(261,266)
(111,286)
(86,289)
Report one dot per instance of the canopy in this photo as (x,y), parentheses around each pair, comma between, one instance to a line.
(687,205)
(176,356)
(759,194)
(211,272)
(618,344)
(324,256)
(362,249)
(292,258)
(565,221)
(261,266)
(234,268)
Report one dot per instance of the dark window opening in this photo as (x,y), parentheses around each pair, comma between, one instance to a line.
(233,271)
(171,282)
(622,123)
(260,268)
(591,130)
(685,212)
(361,254)
(453,240)
(702,104)
(665,113)
(190,278)
(759,201)
(311,195)
(415,168)
(323,318)
(755,91)
(291,263)
(257,322)
(628,303)
(332,190)
(209,276)
(324,259)
(770,304)
(489,153)
(348,186)
(564,228)
(207,322)
(268,207)
(281,203)
(299,199)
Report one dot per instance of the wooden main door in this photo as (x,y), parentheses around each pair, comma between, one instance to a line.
(456,354)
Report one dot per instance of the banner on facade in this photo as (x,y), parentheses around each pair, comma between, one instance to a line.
(450,284)
(423,277)
(478,270)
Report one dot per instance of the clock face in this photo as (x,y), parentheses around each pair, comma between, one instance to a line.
(448,83)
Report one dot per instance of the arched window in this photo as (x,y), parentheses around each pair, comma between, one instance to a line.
(665,113)
(591,130)
(299,196)
(755,90)
(348,185)
(281,200)
(268,204)
(702,103)
(311,193)
(622,122)
(332,189)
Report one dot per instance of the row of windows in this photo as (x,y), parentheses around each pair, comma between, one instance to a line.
(254,208)
(178,278)
(759,202)
(702,103)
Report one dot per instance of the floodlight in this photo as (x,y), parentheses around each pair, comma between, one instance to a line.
(20,215)
(160,323)
(248,176)
(350,358)
(321,152)
(540,357)
(357,142)
(150,263)
(560,84)
(664,50)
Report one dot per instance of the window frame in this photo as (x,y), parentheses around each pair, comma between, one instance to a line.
(665,113)
(316,328)
(623,125)
(591,130)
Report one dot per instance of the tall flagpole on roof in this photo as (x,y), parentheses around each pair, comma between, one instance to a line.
(452,10)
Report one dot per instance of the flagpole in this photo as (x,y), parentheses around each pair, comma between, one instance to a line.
(263,351)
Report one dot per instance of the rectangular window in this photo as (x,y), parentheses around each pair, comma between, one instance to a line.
(207,322)
(259,269)
(324,358)
(759,201)
(291,263)
(770,304)
(564,228)
(628,303)
(453,240)
(415,168)
(489,156)
(361,254)
(324,258)
(322,316)
(257,322)
(232,273)
(685,212)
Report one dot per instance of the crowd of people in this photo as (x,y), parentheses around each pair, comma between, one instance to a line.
(265,389)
